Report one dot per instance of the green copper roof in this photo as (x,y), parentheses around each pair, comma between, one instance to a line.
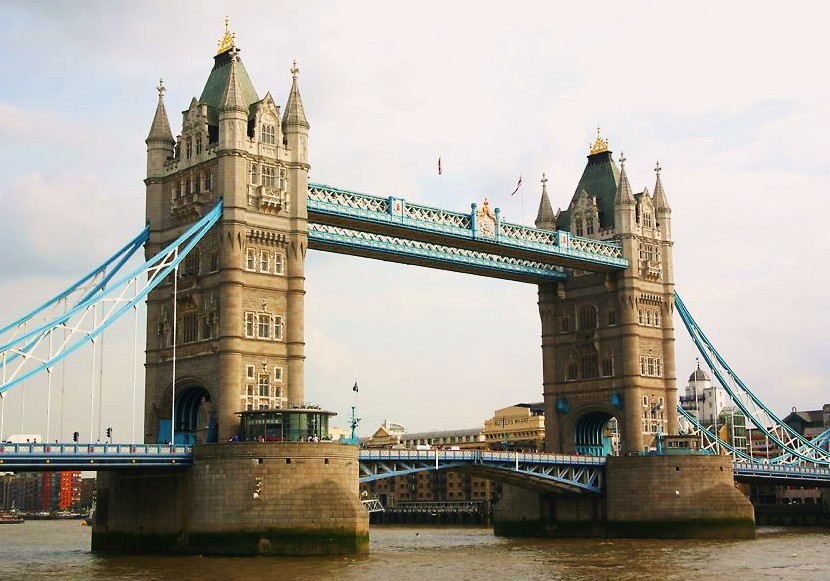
(599,179)
(214,89)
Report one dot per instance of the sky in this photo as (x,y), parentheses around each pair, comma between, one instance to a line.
(732,99)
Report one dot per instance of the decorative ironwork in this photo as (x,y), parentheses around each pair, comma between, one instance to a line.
(404,248)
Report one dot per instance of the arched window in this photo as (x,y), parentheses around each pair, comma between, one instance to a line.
(578,224)
(587,317)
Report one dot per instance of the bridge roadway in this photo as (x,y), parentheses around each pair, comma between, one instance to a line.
(584,474)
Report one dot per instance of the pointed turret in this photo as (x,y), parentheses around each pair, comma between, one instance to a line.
(160,139)
(545,218)
(625,206)
(233,98)
(624,194)
(660,201)
(294,111)
(661,206)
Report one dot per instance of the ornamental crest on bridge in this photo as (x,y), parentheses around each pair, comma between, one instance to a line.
(486,220)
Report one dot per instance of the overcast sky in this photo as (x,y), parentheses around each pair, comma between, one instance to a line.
(732,98)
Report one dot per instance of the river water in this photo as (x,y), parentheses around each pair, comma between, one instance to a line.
(60,550)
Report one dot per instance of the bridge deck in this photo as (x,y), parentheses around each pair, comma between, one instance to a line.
(42,456)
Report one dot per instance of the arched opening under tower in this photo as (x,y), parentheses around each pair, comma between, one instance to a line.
(195,419)
(596,434)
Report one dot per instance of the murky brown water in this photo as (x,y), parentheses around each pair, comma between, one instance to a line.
(60,549)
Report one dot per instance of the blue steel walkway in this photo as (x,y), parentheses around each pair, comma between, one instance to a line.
(42,456)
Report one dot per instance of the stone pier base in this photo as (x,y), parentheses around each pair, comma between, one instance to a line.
(671,496)
(237,499)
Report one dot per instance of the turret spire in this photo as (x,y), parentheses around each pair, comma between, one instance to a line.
(234,97)
(545,218)
(294,111)
(624,194)
(160,129)
(660,201)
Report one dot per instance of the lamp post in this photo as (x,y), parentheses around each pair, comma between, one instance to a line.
(354,420)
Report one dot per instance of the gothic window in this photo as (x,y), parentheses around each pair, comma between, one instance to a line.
(189,187)
(657,370)
(278,328)
(589,225)
(642,365)
(640,316)
(191,264)
(198,144)
(208,180)
(277,374)
(250,325)
(264,330)
(279,262)
(252,172)
(587,317)
(564,324)
(589,366)
(213,261)
(657,318)
(648,318)
(607,366)
(612,318)
(578,224)
(250,259)
(189,147)
(264,261)
(190,331)
(283,179)
(650,366)
(264,385)
(208,324)
(250,372)
(268,134)
(572,371)
(269,175)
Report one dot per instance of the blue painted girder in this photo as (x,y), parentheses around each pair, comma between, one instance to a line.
(400,220)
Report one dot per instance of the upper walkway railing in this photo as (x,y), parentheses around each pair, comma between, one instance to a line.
(57,456)
(395,216)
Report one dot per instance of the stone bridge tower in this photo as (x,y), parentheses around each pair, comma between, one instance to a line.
(237,304)
(608,340)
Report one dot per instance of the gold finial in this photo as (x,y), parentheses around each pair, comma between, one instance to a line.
(599,144)
(294,70)
(161,88)
(229,40)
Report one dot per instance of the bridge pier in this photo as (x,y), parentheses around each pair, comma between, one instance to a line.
(237,499)
(669,496)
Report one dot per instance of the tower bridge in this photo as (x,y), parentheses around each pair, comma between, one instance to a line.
(231,216)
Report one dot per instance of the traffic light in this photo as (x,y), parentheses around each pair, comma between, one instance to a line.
(109,432)
(75,436)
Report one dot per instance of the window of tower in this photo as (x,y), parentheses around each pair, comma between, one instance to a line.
(283,179)
(264,385)
(279,262)
(265,261)
(278,328)
(647,220)
(252,172)
(277,374)
(642,365)
(607,366)
(208,180)
(269,134)
(589,225)
(612,318)
(198,144)
(578,224)
(587,317)
(269,175)
(589,366)
(572,371)
(250,259)
(250,325)
(650,366)
(189,147)
(264,330)
(564,324)
(190,331)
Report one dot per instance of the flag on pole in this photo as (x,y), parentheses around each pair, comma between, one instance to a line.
(354,389)
(518,185)
(439,173)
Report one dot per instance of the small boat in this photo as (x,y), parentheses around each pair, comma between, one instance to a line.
(11,519)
